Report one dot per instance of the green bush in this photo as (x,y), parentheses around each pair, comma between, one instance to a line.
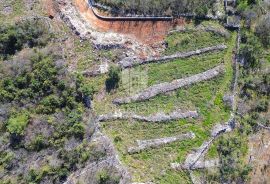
(103,177)
(262,106)
(262,30)
(18,123)
(14,37)
(77,130)
(113,79)
(38,143)
(157,7)
(5,158)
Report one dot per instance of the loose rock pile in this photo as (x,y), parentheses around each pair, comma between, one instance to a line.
(154,143)
(159,117)
(171,86)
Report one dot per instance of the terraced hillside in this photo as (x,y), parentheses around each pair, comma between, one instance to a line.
(90,100)
(153,162)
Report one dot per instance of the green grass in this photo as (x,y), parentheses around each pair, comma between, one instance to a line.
(180,68)
(191,40)
(206,97)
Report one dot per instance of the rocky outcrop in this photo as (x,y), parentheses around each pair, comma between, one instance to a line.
(171,86)
(222,128)
(154,143)
(101,69)
(133,61)
(159,117)
(192,158)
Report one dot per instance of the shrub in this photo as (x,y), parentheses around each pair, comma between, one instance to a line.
(113,79)
(49,104)
(77,130)
(5,158)
(262,106)
(17,124)
(103,177)
(262,30)
(38,143)
(30,32)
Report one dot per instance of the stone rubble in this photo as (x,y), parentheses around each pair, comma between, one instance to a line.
(159,117)
(133,61)
(171,86)
(101,69)
(154,143)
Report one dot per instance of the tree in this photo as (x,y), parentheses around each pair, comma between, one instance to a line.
(112,82)
(263,31)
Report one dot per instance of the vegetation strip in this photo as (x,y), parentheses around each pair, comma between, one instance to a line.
(159,117)
(131,62)
(167,87)
(133,18)
(154,143)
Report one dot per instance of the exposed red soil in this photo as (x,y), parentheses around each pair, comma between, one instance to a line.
(50,7)
(147,32)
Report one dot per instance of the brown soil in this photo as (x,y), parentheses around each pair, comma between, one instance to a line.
(50,7)
(148,32)
(259,155)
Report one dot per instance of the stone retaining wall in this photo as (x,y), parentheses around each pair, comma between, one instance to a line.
(159,117)
(133,61)
(171,86)
(193,160)
(154,143)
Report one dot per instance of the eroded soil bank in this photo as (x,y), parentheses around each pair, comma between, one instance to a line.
(147,32)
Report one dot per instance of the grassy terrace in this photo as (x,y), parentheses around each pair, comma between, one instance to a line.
(206,97)
(194,37)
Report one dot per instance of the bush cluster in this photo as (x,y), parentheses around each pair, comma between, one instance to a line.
(159,7)
(29,33)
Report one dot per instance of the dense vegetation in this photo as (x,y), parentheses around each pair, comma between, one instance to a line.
(41,107)
(254,93)
(159,7)
(29,33)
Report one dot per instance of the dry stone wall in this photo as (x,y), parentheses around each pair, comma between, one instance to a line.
(171,86)
(154,143)
(133,61)
(194,159)
(159,117)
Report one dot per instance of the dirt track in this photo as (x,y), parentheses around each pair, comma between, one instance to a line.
(148,32)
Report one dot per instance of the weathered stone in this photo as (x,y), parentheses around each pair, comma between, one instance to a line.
(7,10)
(154,143)
(133,61)
(221,128)
(171,86)
(198,165)
(101,69)
(159,117)
(193,160)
